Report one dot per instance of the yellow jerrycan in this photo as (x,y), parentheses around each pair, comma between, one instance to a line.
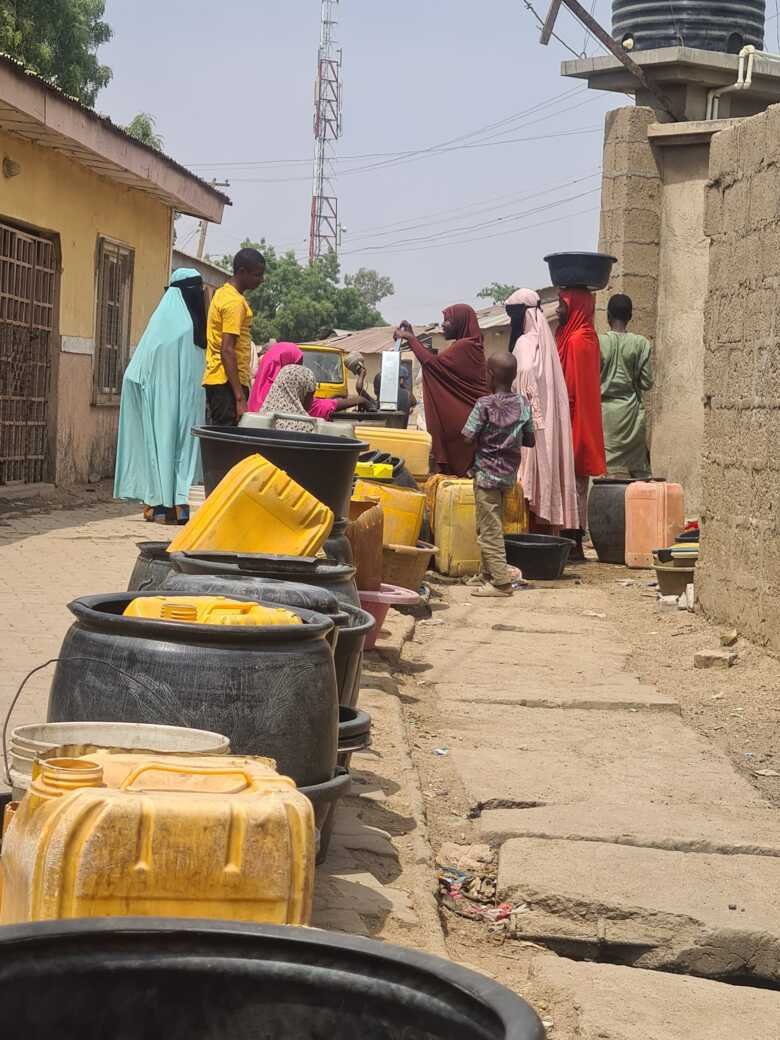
(208,610)
(257,508)
(403,510)
(454,523)
(219,837)
(413,446)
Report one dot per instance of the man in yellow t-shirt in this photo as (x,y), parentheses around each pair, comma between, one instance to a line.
(229,341)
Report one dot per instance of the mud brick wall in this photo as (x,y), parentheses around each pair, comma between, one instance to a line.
(738,578)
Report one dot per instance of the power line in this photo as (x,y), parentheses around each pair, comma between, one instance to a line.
(444,216)
(555,36)
(484,238)
(475,208)
(437,235)
(397,155)
(443,151)
(588,34)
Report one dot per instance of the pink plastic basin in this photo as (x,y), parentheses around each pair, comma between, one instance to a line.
(378,603)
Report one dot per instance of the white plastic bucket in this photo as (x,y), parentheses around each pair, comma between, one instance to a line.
(75,739)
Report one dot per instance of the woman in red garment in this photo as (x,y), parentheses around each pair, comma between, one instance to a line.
(580,354)
(452,383)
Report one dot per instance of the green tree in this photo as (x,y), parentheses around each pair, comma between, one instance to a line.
(58,39)
(373,287)
(300,302)
(143,128)
(496,292)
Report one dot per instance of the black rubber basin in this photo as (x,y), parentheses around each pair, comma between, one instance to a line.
(607,518)
(338,578)
(143,978)
(200,576)
(588,270)
(325,798)
(323,465)
(152,567)
(271,689)
(541,557)
(354,733)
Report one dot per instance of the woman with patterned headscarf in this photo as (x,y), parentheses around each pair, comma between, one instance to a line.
(291,394)
(453,382)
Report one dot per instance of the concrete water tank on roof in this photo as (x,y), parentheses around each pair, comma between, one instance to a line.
(710,25)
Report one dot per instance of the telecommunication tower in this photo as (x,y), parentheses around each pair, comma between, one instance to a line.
(324,227)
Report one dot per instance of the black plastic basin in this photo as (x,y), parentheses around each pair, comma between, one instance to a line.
(354,733)
(541,557)
(588,270)
(143,978)
(323,465)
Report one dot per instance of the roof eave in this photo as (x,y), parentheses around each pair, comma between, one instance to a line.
(39,113)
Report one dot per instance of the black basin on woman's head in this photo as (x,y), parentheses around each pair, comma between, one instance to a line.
(582,270)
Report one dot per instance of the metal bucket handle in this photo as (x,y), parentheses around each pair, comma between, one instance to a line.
(39,668)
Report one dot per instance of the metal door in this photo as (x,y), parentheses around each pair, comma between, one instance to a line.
(28,291)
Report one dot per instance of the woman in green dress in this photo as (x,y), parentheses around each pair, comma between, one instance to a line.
(626,374)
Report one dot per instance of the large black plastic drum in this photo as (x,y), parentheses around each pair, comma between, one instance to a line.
(270,689)
(137,979)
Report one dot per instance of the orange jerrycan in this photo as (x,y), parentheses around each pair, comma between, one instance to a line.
(134,835)
(655,515)
(257,508)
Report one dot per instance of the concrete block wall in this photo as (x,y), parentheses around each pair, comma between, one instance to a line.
(631,214)
(738,578)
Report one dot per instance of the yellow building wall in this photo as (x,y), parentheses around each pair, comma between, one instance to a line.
(56,195)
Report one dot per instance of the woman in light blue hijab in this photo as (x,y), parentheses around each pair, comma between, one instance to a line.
(158,459)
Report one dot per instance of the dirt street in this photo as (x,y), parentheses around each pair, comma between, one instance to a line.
(554,795)
(618,853)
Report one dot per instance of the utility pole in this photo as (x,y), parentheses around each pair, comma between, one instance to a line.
(324,222)
(611,44)
(203,226)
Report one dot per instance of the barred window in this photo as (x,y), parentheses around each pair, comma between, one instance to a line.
(114,302)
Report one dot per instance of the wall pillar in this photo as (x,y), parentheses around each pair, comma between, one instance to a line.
(631,214)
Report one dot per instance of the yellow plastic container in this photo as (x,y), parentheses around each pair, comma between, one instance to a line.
(374,470)
(257,508)
(131,835)
(516,517)
(455,525)
(208,610)
(403,511)
(455,528)
(413,446)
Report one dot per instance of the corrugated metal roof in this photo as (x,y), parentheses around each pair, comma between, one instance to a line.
(33,125)
(369,341)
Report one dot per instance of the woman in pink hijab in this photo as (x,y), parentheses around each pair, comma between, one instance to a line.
(271,364)
(546,471)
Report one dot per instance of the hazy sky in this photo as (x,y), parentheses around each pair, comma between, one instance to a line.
(231,87)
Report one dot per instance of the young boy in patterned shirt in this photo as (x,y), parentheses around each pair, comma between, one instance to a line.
(500,425)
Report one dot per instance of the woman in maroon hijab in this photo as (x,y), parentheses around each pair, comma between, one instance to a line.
(452,383)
